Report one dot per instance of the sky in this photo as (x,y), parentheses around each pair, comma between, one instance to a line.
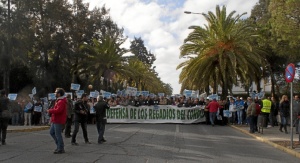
(163,26)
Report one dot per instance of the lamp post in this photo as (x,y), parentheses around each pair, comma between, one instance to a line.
(189,12)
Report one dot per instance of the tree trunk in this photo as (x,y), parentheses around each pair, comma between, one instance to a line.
(273,94)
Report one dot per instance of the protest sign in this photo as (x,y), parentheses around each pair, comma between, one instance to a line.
(75,87)
(12,97)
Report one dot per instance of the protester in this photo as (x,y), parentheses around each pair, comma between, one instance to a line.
(213,108)
(4,116)
(206,112)
(239,103)
(112,102)
(284,109)
(232,109)
(265,111)
(251,113)
(15,111)
(246,104)
(274,112)
(58,119)
(37,113)
(296,111)
(101,120)
(27,115)
(22,106)
(81,110)
(124,101)
(69,116)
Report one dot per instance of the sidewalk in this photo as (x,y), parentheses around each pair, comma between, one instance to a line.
(11,128)
(274,137)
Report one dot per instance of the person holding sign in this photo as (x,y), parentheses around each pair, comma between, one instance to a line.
(81,111)
(27,114)
(101,120)
(37,112)
(58,119)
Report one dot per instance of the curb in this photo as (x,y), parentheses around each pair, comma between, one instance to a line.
(287,150)
(28,129)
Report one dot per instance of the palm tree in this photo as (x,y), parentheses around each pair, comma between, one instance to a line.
(143,77)
(103,58)
(220,52)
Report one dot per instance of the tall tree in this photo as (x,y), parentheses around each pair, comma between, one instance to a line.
(223,52)
(285,20)
(103,58)
(260,17)
(139,50)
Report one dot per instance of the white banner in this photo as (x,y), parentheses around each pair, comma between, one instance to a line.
(147,114)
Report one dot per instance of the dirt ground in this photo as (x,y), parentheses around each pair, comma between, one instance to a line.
(287,144)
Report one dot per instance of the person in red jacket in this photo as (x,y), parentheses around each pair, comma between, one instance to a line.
(58,119)
(213,107)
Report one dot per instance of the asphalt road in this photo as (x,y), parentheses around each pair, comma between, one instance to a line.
(145,143)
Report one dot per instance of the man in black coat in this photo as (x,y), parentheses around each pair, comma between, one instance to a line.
(4,102)
(101,120)
(81,110)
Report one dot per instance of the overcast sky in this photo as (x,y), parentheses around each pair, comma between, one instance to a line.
(163,26)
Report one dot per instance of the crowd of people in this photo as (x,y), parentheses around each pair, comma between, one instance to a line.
(63,112)
(255,112)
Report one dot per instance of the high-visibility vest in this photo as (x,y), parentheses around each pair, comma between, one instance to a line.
(266,106)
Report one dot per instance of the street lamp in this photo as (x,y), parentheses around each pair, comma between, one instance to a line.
(193,27)
(189,12)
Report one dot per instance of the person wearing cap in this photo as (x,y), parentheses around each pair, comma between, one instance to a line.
(81,111)
(101,120)
(58,119)
(4,102)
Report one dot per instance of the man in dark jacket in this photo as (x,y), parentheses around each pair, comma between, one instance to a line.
(81,110)
(101,120)
(4,101)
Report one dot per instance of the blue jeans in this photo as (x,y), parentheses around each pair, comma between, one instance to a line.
(240,116)
(212,117)
(100,129)
(55,132)
(283,120)
(251,123)
(15,119)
